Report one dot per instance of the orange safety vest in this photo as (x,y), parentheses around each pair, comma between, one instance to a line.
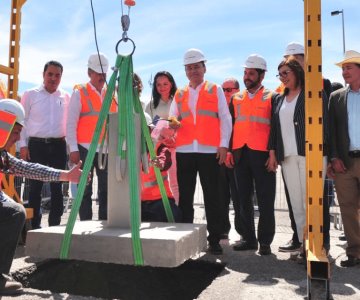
(7,121)
(252,120)
(149,187)
(90,110)
(207,128)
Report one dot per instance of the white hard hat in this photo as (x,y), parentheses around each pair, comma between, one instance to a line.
(14,107)
(95,64)
(193,56)
(294,48)
(255,61)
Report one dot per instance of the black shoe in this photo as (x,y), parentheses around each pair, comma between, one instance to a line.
(244,245)
(264,249)
(342,237)
(215,249)
(351,261)
(290,246)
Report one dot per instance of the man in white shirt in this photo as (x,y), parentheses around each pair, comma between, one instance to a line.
(201,143)
(43,137)
(84,108)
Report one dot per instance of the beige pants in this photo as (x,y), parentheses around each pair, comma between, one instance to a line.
(348,192)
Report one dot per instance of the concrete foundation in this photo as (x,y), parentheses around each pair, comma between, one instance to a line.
(163,244)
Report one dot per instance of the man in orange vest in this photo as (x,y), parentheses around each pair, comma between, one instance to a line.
(13,214)
(201,143)
(252,113)
(84,108)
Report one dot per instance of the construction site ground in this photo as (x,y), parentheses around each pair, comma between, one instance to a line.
(233,275)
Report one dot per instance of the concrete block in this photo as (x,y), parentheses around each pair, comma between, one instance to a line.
(163,244)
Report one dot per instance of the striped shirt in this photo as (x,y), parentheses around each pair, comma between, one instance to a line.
(19,167)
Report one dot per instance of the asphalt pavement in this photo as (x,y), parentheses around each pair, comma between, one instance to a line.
(247,275)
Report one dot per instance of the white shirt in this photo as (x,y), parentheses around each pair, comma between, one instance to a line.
(45,114)
(224,117)
(286,115)
(162,110)
(73,118)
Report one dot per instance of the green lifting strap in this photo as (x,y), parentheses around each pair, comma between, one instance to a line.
(128,135)
(125,66)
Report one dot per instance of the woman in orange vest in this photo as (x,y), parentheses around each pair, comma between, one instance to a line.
(12,214)
(152,208)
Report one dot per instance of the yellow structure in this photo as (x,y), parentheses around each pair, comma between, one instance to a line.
(318,267)
(12,71)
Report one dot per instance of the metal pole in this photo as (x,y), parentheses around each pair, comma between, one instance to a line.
(343,28)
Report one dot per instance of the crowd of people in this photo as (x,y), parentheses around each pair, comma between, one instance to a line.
(233,138)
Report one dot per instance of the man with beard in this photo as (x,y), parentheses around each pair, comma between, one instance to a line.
(43,138)
(252,113)
(84,108)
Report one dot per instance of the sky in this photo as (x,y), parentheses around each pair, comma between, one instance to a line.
(227,31)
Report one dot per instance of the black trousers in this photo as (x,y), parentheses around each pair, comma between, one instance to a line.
(188,166)
(52,154)
(249,169)
(86,204)
(227,191)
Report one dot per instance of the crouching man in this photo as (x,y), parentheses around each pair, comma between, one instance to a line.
(12,214)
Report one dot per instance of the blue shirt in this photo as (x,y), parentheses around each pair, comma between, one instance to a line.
(353,108)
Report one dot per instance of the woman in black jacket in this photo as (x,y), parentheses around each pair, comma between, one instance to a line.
(287,136)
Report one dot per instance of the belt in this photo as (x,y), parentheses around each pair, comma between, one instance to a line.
(354,154)
(47,140)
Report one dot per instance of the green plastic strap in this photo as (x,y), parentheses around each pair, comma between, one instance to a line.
(126,98)
(65,245)
(159,178)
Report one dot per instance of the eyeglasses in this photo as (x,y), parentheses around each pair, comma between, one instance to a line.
(283,74)
(229,89)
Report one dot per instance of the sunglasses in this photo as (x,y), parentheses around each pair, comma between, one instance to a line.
(229,89)
(283,74)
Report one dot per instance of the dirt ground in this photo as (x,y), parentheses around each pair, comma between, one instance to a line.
(111,281)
